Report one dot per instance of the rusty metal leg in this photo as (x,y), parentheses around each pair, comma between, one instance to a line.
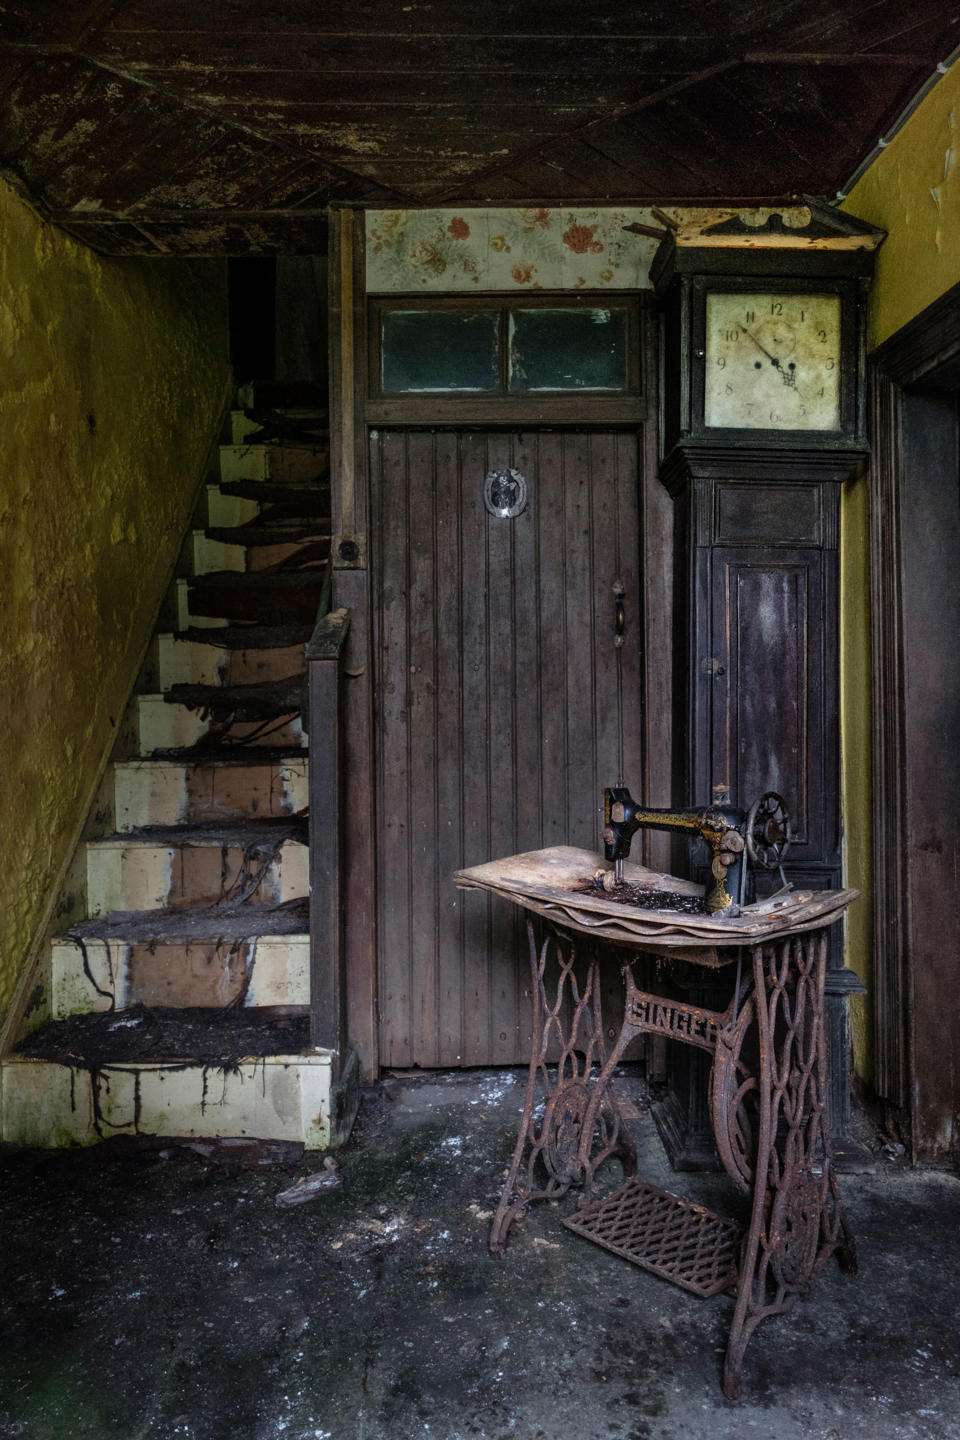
(580,1126)
(602,1133)
(510,1206)
(797,1219)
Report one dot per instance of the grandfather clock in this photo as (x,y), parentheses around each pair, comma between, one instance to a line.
(763,419)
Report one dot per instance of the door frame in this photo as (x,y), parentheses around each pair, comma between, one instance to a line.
(915,392)
(352,412)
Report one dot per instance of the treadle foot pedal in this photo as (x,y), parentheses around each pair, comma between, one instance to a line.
(683,1242)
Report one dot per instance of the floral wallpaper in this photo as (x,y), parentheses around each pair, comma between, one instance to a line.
(536,249)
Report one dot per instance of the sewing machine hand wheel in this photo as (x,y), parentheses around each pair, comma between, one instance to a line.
(768,831)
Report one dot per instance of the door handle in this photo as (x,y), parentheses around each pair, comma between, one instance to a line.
(618,616)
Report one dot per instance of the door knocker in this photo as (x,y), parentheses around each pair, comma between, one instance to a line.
(505,493)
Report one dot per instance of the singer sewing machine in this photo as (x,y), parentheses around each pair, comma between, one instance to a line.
(766,1094)
(760,835)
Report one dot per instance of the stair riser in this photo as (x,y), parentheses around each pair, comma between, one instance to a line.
(261,557)
(164,726)
(210,974)
(45,1105)
(243,426)
(273,462)
(185,617)
(155,877)
(165,792)
(206,555)
(187,662)
(257,602)
(229,509)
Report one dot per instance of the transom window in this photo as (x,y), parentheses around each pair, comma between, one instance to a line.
(499,347)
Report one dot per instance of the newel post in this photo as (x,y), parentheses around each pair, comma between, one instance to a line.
(328,1008)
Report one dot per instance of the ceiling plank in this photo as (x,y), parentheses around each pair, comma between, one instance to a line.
(857,26)
(55,22)
(442,17)
(823,116)
(622,112)
(484,55)
(533,88)
(153,114)
(201,235)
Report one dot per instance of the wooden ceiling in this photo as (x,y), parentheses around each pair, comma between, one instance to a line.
(228,127)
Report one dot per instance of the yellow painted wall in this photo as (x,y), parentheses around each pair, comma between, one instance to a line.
(855,732)
(912,190)
(113,378)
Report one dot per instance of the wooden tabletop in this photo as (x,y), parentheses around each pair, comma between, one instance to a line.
(547,882)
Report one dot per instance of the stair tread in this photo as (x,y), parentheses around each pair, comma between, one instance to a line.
(206,752)
(284,396)
(196,923)
(206,1037)
(258,579)
(233,835)
(300,426)
(315,494)
(256,534)
(246,637)
(262,700)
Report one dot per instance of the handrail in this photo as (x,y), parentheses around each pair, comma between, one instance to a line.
(328,999)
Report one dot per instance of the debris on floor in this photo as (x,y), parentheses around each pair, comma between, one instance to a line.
(152,1298)
(308,1187)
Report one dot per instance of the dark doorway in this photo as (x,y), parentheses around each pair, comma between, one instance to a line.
(915,536)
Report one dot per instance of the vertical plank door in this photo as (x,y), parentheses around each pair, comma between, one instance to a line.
(496,708)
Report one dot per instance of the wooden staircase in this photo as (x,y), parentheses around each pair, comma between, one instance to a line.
(178,1005)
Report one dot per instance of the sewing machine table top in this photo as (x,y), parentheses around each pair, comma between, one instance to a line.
(548,882)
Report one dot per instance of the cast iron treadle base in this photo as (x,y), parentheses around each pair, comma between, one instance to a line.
(674,1238)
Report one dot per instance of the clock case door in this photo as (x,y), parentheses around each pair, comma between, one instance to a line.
(756,664)
(756,695)
(686,279)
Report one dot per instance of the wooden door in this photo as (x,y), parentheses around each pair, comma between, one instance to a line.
(496,719)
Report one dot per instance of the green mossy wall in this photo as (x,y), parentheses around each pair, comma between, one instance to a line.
(113,379)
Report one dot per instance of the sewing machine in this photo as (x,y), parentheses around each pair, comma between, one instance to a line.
(759,835)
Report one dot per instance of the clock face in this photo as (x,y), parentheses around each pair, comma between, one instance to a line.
(772,361)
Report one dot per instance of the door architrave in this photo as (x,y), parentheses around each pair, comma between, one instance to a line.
(352,413)
(915,392)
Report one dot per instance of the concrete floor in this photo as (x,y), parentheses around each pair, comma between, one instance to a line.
(153,1296)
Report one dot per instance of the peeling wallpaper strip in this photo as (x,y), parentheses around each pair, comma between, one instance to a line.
(484,250)
(548,248)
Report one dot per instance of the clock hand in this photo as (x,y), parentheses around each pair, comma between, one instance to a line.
(787,376)
(762,348)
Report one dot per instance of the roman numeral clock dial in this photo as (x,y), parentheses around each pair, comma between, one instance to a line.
(772,361)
